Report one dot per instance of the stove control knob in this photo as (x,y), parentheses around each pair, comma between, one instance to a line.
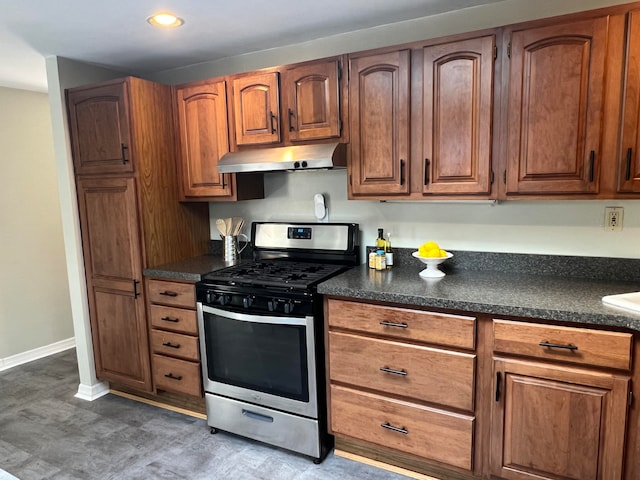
(288,307)
(224,299)
(247,301)
(210,297)
(272,304)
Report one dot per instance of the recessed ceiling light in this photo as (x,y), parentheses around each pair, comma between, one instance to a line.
(165,19)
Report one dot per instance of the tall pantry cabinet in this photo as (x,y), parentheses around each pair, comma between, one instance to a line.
(130,216)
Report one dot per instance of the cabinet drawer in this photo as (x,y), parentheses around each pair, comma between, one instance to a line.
(581,345)
(177,375)
(172,293)
(422,373)
(430,433)
(174,319)
(175,345)
(404,323)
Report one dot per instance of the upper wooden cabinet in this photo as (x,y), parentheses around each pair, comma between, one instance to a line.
(380,104)
(99,124)
(457,89)
(555,112)
(203,138)
(256,107)
(311,101)
(629,171)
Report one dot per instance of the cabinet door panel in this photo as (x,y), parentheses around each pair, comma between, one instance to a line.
(380,106)
(99,129)
(554,422)
(458,93)
(204,139)
(556,90)
(629,173)
(256,109)
(313,101)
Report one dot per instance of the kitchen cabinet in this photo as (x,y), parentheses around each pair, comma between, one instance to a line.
(99,123)
(203,138)
(174,337)
(130,221)
(256,108)
(312,101)
(559,414)
(629,167)
(379,117)
(556,90)
(396,381)
(457,90)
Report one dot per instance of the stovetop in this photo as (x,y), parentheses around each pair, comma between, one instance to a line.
(291,274)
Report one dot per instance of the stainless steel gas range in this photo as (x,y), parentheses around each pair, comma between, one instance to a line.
(262,335)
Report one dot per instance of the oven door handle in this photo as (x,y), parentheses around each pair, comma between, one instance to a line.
(243,317)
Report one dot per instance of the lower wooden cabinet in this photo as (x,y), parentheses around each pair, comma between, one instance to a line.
(175,359)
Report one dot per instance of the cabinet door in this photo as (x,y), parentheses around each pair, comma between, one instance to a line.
(629,172)
(204,139)
(458,93)
(256,104)
(99,129)
(555,108)
(312,101)
(551,422)
(113,266)
(379,124)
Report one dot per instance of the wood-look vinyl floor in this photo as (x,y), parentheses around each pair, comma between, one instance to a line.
(47,433)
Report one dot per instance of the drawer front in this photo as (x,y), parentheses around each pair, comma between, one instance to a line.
(172,293)
(176,375)
(564,344)
(434,434)
(421,373)
(404,323)
(175,345)
(174,319)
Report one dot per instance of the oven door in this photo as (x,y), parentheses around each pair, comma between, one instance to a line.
(264,360)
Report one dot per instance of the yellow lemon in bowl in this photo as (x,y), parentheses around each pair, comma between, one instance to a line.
(431,250)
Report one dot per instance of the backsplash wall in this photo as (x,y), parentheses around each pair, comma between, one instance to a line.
(572,227)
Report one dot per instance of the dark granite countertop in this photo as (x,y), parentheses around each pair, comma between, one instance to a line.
(514,286)
(190,269)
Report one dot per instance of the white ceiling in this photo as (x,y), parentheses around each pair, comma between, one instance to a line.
(115,34)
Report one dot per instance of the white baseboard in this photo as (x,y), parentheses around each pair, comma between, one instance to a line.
(91,392)
(36,353)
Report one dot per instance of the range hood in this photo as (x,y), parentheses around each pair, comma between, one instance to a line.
(298,157)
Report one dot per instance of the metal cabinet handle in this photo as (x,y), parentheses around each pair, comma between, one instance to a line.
(171,345)
(392,324)
(388,426)
(170,319)
(291,126)
(173,377)
(273,126)
(629,158)
(123,149)
(169,294)
(498,382)
(401,172)
(426,171)
(136,293)
(592,160)
(402,372)
(567,346)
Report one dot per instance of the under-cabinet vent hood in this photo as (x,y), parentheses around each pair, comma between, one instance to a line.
(298,157)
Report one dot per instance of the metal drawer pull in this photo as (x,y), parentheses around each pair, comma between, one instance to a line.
(391,324)
(257,416)
(567,346)
(402,372)
(172,345)
(169,294)
(173,377)
(388,426)
(170,319)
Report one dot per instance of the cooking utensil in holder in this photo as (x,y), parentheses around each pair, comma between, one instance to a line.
(230,250)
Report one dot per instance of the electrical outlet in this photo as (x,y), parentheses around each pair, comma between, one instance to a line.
(613,219)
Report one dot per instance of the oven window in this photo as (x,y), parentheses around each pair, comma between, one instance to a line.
(266,357)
